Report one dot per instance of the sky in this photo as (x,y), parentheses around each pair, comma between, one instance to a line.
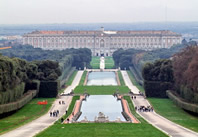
(96,11)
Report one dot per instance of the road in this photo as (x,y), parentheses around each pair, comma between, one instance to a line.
(38,125)
(156,120)
(74,83)
(128,82)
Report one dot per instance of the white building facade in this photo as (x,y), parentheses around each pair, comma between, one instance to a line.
(102,43)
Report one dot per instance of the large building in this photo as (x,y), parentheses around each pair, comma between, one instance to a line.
(102,42)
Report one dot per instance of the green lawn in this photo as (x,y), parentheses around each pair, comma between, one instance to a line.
(26,114)
(109,63)
(95,62)
(82,80)
(101,90)
(71,78)
(169,110)
(135,82)
(121,79)
(101,130)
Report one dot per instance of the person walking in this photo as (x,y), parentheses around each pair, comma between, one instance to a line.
(66,112)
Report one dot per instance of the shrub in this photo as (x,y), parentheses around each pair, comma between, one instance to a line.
(48,89)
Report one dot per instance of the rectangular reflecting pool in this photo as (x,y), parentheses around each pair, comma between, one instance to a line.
(102,78)
(107,104)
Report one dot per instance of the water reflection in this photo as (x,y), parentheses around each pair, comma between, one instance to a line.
(106,104)
(102,78)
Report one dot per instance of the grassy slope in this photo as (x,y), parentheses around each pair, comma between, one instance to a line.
(169,110)
(101,90)
(26,114)
(121,79)
(135,82)
(95,62)
(71,106)
(82,80)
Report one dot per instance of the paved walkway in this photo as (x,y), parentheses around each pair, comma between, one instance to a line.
(74,83)
(36,126)
(102,63)
(156,120)
(128,82)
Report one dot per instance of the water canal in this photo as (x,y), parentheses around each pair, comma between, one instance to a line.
(107,104)
(102,78)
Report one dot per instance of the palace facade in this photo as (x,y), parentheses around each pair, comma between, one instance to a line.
(101,42)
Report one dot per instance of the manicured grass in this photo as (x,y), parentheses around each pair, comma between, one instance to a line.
(95,62)
(135,82)
(26,114)
(101,90)
(169,110)
(71,106)
(121,79)
(101,130)
(82,80)
(109,63)
(71,78)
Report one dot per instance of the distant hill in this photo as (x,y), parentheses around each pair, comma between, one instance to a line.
(187,29)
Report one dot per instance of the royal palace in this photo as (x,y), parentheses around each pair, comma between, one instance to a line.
(101,42)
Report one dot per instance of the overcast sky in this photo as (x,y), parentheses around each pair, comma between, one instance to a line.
(96,11)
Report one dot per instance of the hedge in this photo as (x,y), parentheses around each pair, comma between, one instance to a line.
(156,88)
(136,75)
(48,89)
(182,103)
(12,95)
(4,108)
(67,73)
(187,94)
(33,85)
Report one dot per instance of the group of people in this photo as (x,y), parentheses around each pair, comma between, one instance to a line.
(62,102)
(133,97)
(54,113)
(144,109)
